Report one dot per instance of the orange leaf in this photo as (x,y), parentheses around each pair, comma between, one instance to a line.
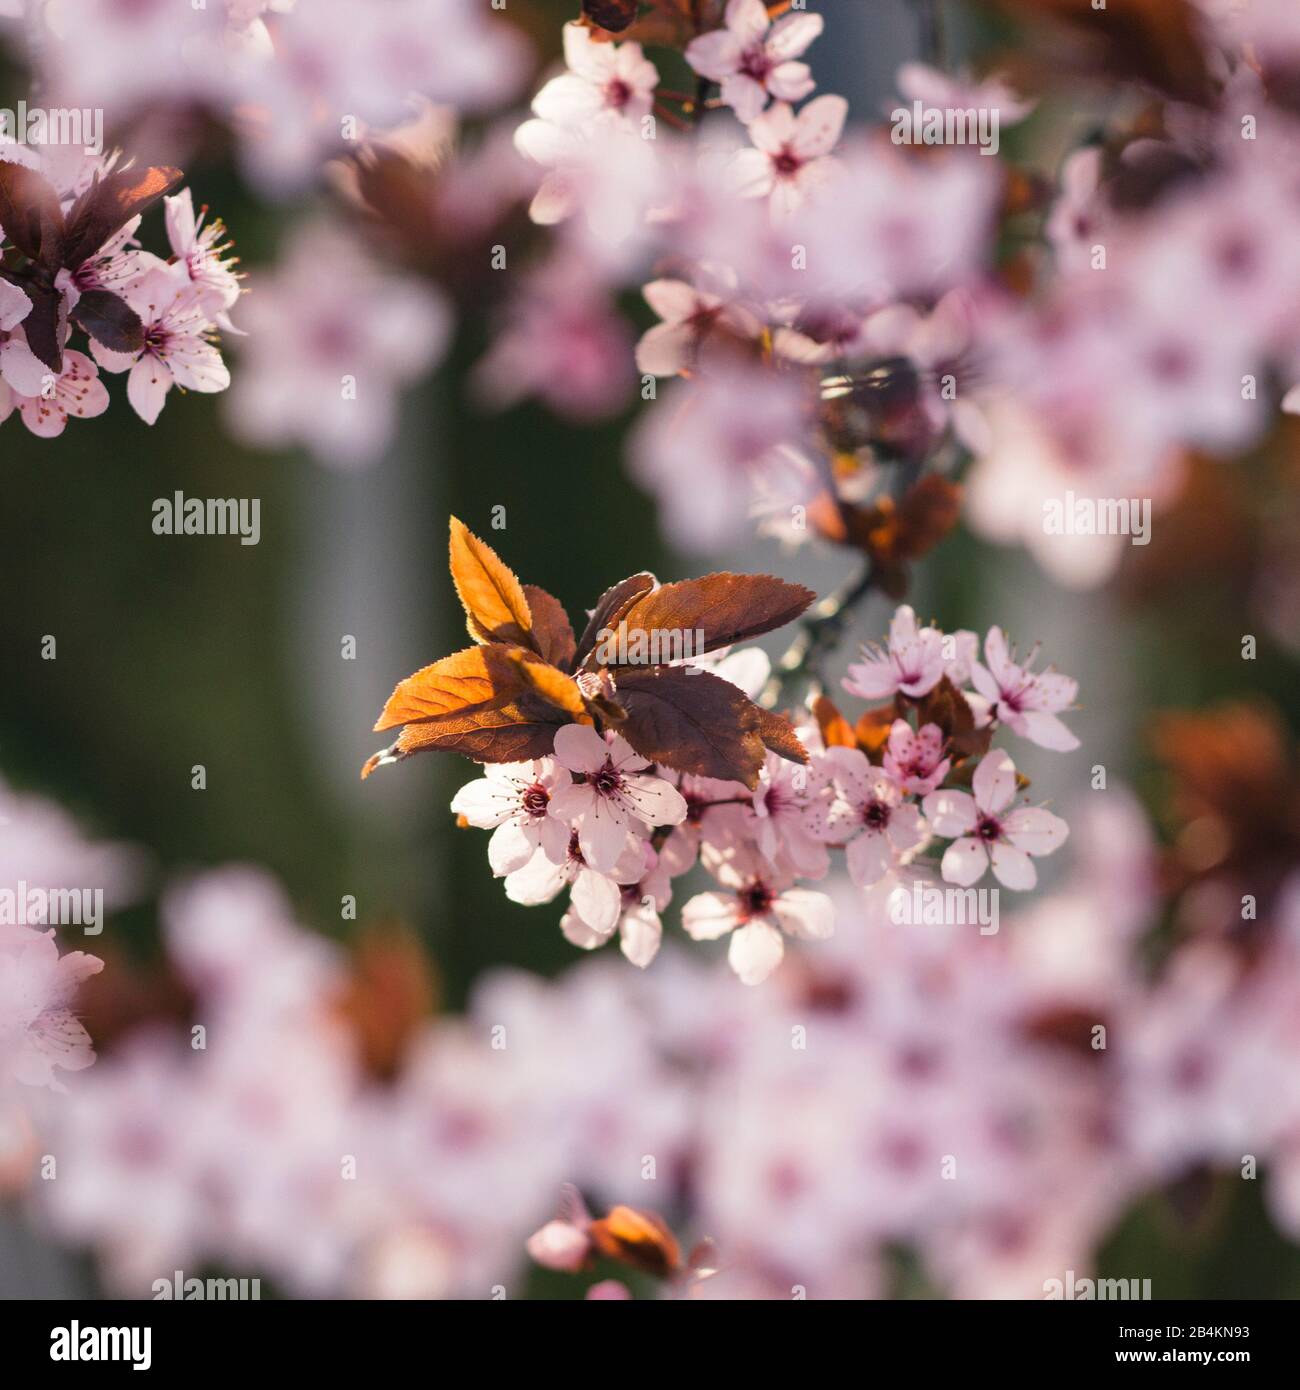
(514,732)
(551,684)
(496,609)
(637,1238)
(466,679)
(836,731)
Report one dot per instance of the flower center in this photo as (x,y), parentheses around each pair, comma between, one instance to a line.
(536,800)
(787,164)
(755,63)
(988,829)
(876,815)
(617,93)
(608,780)
(756,899)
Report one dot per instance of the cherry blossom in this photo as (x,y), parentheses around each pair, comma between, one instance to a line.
(514,801)
(14,306)
(616,792)
(1026,701)
(39,1030)
(710,449)
(754,59)
(639,925)
(782,803)
(75,391)
(605,81)
(199,246)
(989,832)
(791,157)
(868,815)
(756,908)
(177,347)
(915,758)
(330,341)
(596,897)
(912,662)
(693,319)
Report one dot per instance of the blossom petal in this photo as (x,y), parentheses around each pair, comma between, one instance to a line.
(964,861)
(756,950)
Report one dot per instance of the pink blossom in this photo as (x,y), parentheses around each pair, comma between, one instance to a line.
(330,341)
(754,59)
(563,1243)
(616,793)
(200,249)
(914,758)
(1025,701)
(14,306)
(514,801)
(782,804)
(608,1291)
(45,401)
(596,897)
(791,154)
(868,815)
(988,831)
(911,663)
(639,925)
(709,449)
(936,88)
(757,907)
(38,1029)
(693,319)
(177,347)
(605,81)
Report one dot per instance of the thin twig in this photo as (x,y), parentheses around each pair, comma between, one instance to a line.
(818,635)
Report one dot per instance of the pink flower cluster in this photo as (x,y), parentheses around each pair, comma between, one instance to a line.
(599,820)
(182,302)
(904,1086)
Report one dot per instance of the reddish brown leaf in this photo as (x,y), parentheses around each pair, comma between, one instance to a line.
(552,630)
(110,320)
(476,676)
(692,721)
(108,204)
(388,996)
(46,327)
(611,15)
(496,609)
(31,215)
(724,608)
(1161,42)
(608,612)
(946,706)
(514,732)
